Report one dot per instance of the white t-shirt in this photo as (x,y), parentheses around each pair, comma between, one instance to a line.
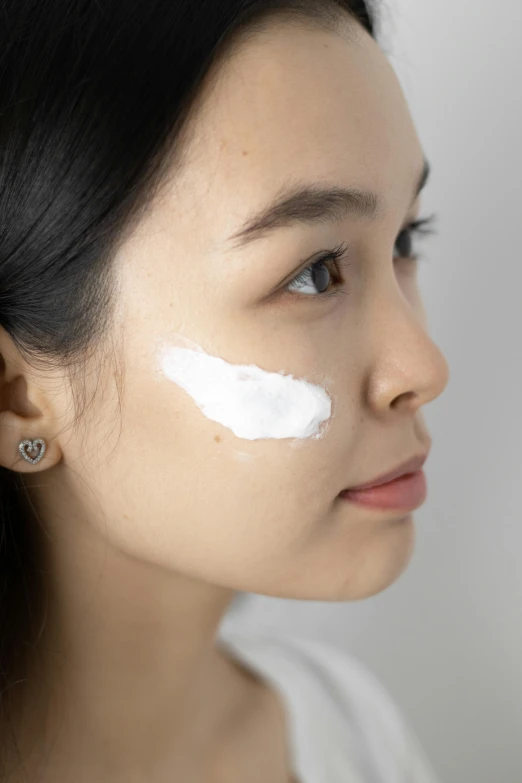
(344,727)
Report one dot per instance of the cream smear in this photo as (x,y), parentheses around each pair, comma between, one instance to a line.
(251,402)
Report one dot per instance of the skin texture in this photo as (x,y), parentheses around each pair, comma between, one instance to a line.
(155,515)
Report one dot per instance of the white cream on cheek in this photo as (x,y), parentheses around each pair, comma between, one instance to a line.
(251,402)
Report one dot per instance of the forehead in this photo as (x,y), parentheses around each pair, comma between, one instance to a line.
(294,103)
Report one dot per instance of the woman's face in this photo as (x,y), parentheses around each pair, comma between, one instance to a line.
(160,479)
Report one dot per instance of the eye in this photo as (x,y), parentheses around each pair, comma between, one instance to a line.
(404,243)
(318,277)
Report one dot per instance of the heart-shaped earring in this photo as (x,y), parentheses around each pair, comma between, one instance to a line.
(32,445)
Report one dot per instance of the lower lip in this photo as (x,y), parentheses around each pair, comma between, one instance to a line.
(404,494)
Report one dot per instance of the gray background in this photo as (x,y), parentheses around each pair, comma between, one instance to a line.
(446,638)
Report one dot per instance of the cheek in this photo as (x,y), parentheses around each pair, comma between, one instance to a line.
(421,313)
(183,491)
(407,276)
(252,403)
(177,490)
(189,502)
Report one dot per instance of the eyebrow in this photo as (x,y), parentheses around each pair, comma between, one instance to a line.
(312,203)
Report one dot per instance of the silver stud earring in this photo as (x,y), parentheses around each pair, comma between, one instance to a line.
(33,446)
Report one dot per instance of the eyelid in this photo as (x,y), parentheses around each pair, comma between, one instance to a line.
(419,225)
(337,258)
(325,253)
(422,225)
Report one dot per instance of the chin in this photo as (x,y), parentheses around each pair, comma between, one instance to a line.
(388,559)
(385,557)
(376,565)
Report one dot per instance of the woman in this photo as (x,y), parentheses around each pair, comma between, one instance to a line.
(212,340)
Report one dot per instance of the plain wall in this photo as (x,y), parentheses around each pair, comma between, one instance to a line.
(446,638)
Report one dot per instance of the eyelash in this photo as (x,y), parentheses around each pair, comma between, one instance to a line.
(335,257)
(420,227)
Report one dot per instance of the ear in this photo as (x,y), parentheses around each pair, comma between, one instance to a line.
(26,411)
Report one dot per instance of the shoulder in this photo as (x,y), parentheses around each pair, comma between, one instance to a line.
(355,686)
(351,700)
(368,706)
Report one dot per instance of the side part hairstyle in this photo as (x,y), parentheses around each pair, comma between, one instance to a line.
(95,100)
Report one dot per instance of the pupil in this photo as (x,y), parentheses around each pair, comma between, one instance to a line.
(321,276)
(404,244)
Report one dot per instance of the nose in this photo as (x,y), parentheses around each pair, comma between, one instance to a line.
(408,369)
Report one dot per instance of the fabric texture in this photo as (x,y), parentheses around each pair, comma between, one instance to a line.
(344,727)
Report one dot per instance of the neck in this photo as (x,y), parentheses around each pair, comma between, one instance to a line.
(127,675)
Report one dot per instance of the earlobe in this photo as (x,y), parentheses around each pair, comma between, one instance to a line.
(32,450)
(20,450)
(25,443)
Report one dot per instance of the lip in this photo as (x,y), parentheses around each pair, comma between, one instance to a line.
(403,489)
(405,493)
(412,465)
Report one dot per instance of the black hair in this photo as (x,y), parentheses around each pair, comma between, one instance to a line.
(94,97)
